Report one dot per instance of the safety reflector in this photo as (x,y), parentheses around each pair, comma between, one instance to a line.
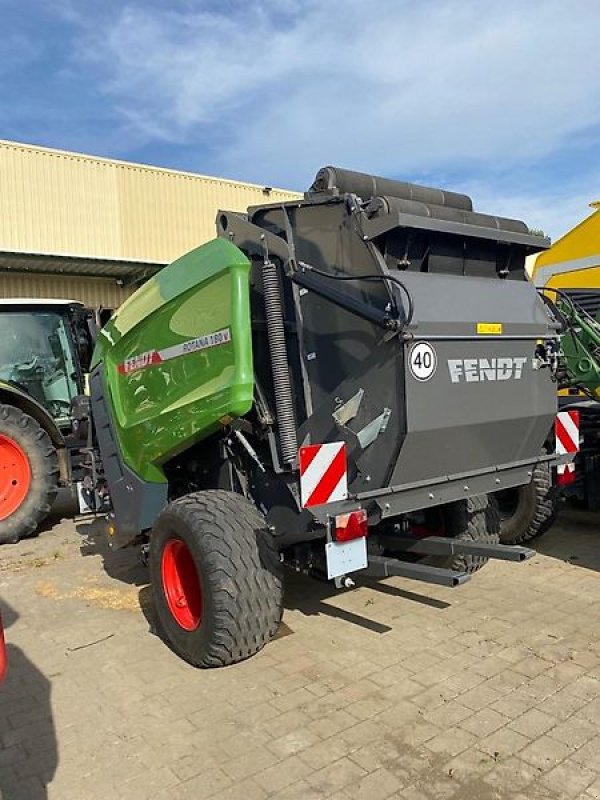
(567,441)
(323,473)
(351,526)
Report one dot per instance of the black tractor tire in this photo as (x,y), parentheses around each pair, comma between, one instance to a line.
(23,434)
(223,540)
(531,508)
(475,519)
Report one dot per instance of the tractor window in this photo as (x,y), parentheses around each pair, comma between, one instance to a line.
(36,357)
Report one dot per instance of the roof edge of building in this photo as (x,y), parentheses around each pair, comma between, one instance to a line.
(139,165)
(81,257)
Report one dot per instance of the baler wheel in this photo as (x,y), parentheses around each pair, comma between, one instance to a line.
(28,474)
(528,511)
(216,578)
(475,519)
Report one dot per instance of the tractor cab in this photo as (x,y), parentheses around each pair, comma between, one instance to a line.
(45,349)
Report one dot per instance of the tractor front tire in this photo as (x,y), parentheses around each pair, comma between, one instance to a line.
(475,519)
(28,474)
(216,578)
(528,511)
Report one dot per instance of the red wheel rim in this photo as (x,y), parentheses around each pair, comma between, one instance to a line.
(15,476)
(181,584)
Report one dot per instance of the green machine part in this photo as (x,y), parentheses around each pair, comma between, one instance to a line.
(580,346)
(177,357)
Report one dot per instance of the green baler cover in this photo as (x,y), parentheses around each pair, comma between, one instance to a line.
(178,356)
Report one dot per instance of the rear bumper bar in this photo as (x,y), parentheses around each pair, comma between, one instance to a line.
(392,501)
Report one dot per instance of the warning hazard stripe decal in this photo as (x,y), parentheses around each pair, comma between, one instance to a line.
(567,431)
(151,357)
(323,473)
(567,441)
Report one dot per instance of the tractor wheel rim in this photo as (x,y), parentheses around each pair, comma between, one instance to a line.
(181,584)
(15,476)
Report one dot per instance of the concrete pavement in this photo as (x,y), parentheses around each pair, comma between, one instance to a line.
(392,690)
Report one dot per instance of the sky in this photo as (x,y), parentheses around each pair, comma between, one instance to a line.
(498,99)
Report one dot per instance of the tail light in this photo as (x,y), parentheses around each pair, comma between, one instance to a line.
(566,475)
(351,526)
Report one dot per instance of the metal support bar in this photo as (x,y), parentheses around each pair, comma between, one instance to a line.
(392,501)
(382,223)
(445,546)
(318,285)
(381,567)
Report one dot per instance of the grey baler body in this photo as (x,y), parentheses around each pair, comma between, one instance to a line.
(477,424)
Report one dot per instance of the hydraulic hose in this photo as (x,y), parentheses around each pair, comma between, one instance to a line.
(374,276)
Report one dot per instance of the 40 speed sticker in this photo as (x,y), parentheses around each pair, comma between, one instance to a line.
(422,361)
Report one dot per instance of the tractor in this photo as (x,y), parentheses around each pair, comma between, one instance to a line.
(45,351)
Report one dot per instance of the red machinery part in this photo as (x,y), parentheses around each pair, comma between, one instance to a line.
(566,428)
(181,584)
(15,476)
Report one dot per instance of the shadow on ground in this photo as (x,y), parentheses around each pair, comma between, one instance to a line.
(304,594)
(123,564)
(310,596)
(29,751)
(65,507)
(574,537)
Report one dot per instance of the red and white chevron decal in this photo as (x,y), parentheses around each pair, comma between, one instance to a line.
(566,428)
(323,473)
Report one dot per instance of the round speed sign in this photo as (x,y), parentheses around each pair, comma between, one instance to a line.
(422,361)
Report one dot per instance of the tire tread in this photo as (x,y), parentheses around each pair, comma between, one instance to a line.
(241,566)
(475,519)
(35,441)
(539,493)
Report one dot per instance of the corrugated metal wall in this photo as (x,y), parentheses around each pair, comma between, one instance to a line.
(63,203)
(93,292)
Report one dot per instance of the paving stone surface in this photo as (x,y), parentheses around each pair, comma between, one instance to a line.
(392,690)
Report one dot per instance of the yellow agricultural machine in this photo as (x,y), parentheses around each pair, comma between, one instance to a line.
(567,276)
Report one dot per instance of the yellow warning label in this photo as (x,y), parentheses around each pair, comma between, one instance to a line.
(489,328)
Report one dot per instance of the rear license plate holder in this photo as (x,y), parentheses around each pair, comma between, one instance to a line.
(345,557)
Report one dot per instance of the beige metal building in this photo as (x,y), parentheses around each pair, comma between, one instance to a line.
(90,229)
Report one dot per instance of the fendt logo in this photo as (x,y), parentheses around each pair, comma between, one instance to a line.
(473,370)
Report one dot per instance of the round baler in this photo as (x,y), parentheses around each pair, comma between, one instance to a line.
(338,385)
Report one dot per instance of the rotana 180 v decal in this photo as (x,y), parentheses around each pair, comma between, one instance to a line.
(151,357)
